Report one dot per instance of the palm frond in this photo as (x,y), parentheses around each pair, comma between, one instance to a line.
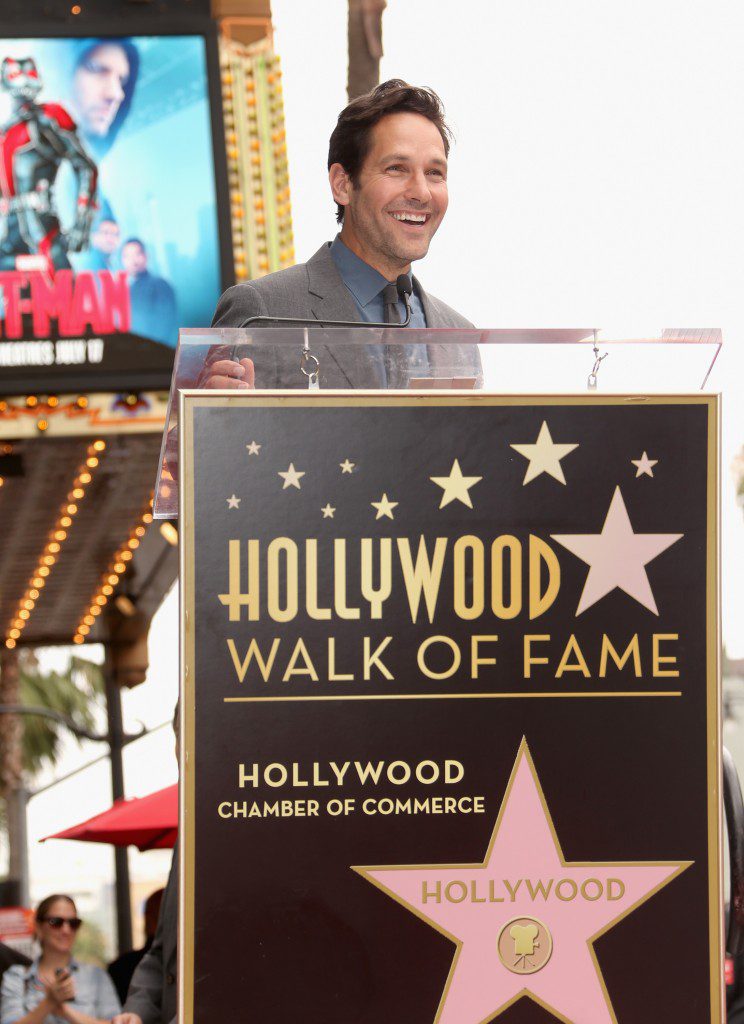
(76,692)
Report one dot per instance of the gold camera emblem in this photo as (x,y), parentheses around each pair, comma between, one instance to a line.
(525,945)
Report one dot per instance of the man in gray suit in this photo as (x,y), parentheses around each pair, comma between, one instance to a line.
(387,168)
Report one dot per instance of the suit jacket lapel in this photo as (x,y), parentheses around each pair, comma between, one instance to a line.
(330,299)
(329,296)
(432,316)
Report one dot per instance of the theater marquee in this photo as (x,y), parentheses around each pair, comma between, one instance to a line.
(451,709)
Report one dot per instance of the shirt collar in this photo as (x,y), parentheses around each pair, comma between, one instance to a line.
(32,971)
(363,281)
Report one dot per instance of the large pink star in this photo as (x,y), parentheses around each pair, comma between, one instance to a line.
(524,876)
(617,557)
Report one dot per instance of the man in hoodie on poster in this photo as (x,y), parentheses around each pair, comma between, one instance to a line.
(104,77)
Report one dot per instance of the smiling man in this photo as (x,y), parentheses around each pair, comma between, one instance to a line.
(387,168)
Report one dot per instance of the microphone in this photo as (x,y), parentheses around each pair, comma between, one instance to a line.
(403,286)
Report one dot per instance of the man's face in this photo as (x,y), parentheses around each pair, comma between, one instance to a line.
(99,86)
(400,195)
(134,259)
(106,238)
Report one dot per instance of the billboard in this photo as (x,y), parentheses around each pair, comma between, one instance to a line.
(109,236)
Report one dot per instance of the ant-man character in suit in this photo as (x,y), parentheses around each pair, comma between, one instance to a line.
(33,145)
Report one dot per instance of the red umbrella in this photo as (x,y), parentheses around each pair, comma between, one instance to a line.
(148,822)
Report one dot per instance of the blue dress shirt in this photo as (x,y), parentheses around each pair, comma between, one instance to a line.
(366,286)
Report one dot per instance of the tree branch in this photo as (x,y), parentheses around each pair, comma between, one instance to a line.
(69,723)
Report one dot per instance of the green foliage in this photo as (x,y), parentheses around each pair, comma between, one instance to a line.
(90,945)
(77,693)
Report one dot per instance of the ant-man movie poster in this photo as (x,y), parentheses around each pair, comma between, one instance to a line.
(108,238)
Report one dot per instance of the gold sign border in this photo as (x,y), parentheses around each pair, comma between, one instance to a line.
(191,400)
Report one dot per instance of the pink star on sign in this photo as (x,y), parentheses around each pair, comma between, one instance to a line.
(617,557)
(524,920)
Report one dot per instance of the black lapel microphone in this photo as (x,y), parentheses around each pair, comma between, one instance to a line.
(402,284)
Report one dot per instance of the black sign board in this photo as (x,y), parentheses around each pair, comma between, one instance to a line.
(451,709)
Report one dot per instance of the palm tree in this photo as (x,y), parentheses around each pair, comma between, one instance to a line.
(365,45)
(56,702)
(76,693)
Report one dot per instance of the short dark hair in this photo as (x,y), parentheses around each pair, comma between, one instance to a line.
(350,140)
(136,241)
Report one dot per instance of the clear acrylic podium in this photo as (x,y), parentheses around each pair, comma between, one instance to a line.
(504,361)
(640,741)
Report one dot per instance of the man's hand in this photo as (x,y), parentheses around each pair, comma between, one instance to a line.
(227,373)
(127,1018)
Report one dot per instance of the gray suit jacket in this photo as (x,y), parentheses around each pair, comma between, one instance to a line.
(316,291)
(152,990)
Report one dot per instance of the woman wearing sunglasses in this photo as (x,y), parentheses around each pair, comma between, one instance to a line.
(55,988)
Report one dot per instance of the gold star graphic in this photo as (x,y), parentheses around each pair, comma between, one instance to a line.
(291,477)
(233,502)
(253,448)
(544,456)
(456,486)
(384,507)
(346,466)
(328,511)
(644,465)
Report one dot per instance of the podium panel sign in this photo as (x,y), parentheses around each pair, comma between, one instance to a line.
(450,714)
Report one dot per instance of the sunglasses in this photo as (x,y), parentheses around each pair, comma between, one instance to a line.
(60,922)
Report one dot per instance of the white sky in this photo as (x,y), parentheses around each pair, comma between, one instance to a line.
(597,178)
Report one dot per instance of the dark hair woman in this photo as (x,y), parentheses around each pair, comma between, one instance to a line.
(55,988)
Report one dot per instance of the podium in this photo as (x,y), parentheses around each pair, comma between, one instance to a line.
(450,711)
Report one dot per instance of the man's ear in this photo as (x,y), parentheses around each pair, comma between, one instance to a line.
(340,184)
